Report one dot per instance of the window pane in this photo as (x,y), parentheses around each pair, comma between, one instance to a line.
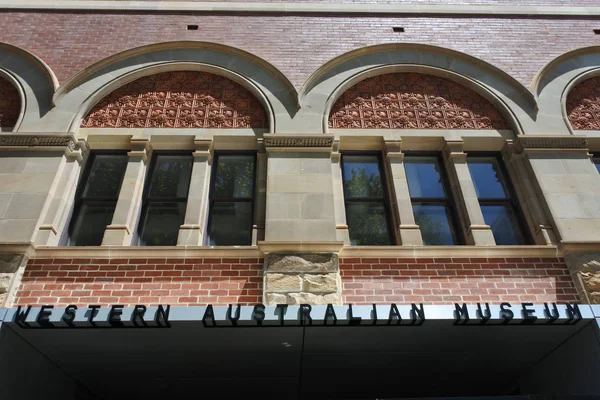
(162,223)
(90,223)
(502,220)
(106,176)
(424,177)
(171,176)
(235,177)
(231,224)
(597,162)
(362,178)
(487,178)
(435,223)
(367,224)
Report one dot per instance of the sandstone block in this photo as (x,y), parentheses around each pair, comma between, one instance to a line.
(321,283)
(319,263)
(9,263)
(272,299)
(591,280)
(283,283)
(314,299)
(5,282)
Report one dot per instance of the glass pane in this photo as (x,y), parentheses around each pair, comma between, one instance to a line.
(171,176)
(424,177)
(435,223)
(362,178)
(162,223)
(367,224)
(106,176)
(90,223)
(231,224)
(487,178)
(597,162)
(504,225)
(234,178)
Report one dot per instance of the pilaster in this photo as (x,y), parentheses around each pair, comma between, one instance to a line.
(192,231)
(341,227)
(408,231)
(120,231)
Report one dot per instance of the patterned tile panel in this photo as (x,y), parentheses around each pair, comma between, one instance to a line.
(413,101)
(10,104)
(583,105)
(186,99)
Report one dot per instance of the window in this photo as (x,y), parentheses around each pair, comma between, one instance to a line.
(497,201)
(165,198)
(596,161)
(232,199)
(367,210)
(431,201)
(96,198)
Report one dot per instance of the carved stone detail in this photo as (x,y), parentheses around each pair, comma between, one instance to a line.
(58,141)
(585,270)
(413,101)
(583,105)
(298,141)
(10,104)
(182,99)
(548,143)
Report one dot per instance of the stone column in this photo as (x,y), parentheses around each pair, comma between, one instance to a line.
(302,278)
(339,205)
(408,231)
(529,195)
(125,219)
(477,232)
(193,229)
(54,220)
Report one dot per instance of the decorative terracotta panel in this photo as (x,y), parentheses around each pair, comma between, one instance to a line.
(10,104)
(583,105)
(186,99)
(413,101)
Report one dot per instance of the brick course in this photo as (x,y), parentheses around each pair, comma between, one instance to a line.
(69,42)
(448,280)
(183,282)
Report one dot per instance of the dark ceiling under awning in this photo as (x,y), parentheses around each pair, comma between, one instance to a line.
(191,361)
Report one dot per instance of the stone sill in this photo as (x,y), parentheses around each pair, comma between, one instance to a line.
(300,247)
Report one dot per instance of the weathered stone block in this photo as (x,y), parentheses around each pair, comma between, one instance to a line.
(314,299)
(9,263)
(320,263)
(5,282)
(327,283)
(591,280)
(283,283)
(272,299)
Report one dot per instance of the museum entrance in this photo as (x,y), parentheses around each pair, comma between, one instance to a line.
(435,359)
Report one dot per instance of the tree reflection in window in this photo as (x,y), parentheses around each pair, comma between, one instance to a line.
(367,212)
(432,205)
(165,200)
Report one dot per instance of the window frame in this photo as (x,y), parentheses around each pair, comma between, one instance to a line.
(81,200)
(147,201)
(449,202)
(512,200)
(390,217)
(211,191)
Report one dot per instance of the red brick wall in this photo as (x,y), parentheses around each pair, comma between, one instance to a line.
(296,44)
(448,280)
(218,281)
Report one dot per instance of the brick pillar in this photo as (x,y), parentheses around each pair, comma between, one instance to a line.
(302,278)
(120,231)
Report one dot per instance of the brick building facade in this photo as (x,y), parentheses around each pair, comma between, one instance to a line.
(300,153)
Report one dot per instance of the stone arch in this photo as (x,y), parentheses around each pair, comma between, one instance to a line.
(79,94)
(405,100)
(556,82)
(178,99)
(33,82)
(516,104)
